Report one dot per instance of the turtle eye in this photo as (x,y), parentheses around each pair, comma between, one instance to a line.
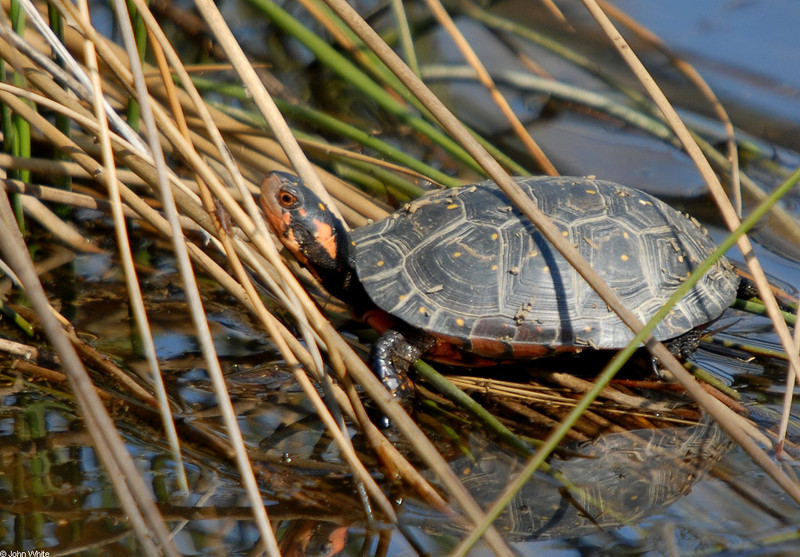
(286,199)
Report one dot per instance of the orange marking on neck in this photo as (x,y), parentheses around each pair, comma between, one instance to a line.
(287,222)
(294,247)
(324,235)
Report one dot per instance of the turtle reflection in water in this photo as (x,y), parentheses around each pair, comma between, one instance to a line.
(462,277)
(619,479)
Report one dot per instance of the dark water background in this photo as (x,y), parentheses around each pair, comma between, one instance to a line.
(54,494)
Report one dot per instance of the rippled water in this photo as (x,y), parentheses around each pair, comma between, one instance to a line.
(54,494)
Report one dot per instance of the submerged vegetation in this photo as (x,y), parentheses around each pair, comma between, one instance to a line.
(166,371)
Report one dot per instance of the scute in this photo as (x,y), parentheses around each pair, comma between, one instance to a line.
(465,265)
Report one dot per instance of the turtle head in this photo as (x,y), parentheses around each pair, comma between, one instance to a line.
(308,229)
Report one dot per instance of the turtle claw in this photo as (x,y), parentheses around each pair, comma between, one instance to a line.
(390,358)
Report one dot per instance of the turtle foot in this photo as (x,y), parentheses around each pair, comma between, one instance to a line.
(390,358)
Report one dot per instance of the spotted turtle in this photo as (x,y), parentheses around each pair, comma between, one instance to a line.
(462,276)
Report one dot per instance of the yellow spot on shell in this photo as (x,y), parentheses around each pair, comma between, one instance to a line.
(592,192)
(623,257)
(322,206)
(494,236)
(565,233)
(587,329)
(494,267)
(645,202)
(545,269)
(457,254)
(460,322)
(401,297)
(452,206)
(380,263)
(423,310)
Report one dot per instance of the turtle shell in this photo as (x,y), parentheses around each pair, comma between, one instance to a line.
(465,265)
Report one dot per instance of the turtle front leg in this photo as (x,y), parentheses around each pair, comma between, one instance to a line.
(390,358)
